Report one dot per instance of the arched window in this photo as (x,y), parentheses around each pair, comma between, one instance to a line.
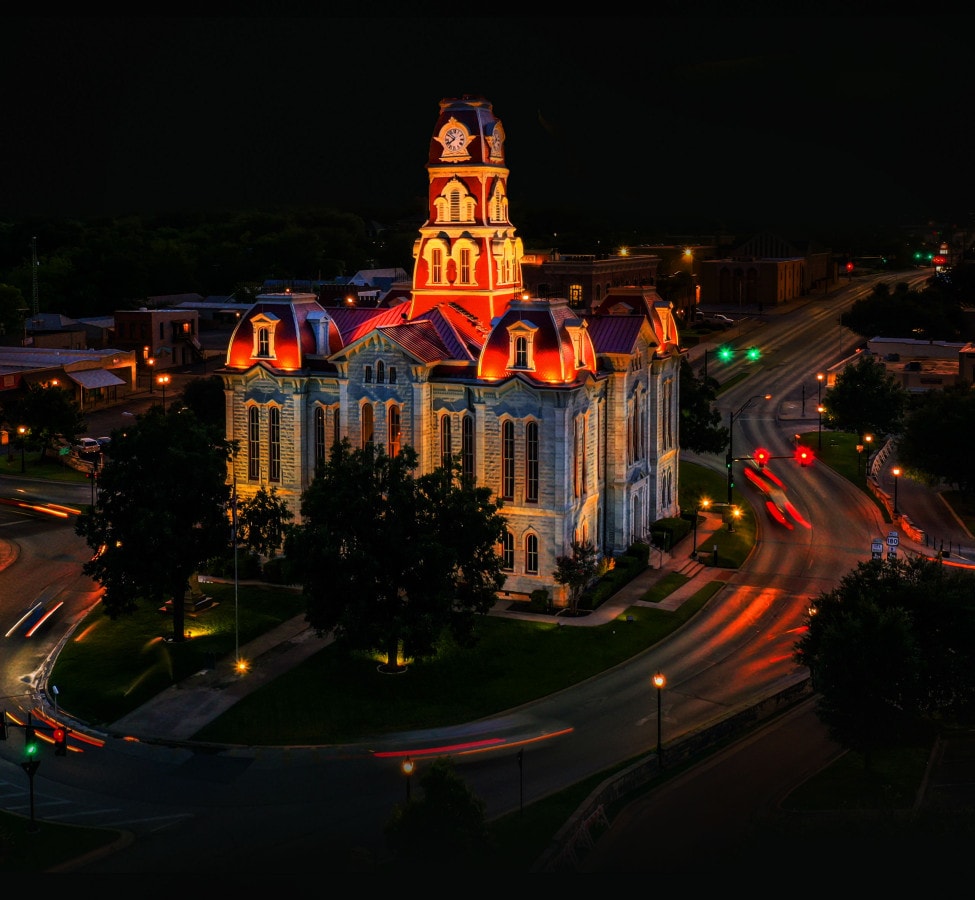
(467,447)
(531,554)
(367,376)
(254,443)
(531,462)
(274,443)
(320,440)
(508,460)
(366,433)
(393,429)
(508,551)
(445,439)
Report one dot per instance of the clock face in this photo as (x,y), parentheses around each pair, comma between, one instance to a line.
(454,139)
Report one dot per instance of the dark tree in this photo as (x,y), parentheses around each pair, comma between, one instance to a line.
(208,400)
(576,571)
(892,649)
(865,398)
(390,561)
(445,826)
(262,522)
(700,428)
(938,434)
(50,415)
(161,512)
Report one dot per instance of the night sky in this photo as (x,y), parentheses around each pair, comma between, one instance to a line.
(768,119)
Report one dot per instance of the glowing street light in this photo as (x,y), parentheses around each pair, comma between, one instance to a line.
(658,682)
(407,766)
(704,503)
(896,472)
(151,362)
(819,405)
(22,431)
(163,381)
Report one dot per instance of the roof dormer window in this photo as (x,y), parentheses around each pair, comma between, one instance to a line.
(264,327)
(521,340)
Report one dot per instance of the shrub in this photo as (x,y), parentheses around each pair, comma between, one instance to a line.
(539,601)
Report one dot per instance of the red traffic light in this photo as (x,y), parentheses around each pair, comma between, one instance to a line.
(939,260)
(849,267)
(804,455)
(761,457)
(60,736)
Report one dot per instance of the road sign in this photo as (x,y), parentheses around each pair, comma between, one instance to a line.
(892,539)
(64,451)
(876,548)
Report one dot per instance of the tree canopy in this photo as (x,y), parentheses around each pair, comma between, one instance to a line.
(700,429)
(864,399)
(937,437)
(262,522)
(49,413)
(389,561)
(576,570)
(160,512)
(892,648)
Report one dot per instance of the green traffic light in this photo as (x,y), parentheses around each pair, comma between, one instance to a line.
(725,353)
(31,746)
(754,353)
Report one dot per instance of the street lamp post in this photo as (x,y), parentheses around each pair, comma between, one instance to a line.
(703,503)
(407,766)
(658,682)
(730,458)
(896,472)
(151,362)
(819,405)
(22,431)
(868,442)
(163,381)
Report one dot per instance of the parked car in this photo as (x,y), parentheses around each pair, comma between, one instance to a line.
(86,446)
(103,442)
(717,320)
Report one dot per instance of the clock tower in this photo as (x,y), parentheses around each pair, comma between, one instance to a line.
(467,253)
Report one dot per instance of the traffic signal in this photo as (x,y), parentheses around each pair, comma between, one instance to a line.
(753,354)
(725,353)
(31,747)
(804,455)
(3,725)
(60,741)
(849,267)
(761,457)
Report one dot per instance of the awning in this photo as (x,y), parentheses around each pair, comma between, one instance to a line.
(94,378)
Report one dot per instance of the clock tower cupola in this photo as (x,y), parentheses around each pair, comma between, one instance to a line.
(467,252)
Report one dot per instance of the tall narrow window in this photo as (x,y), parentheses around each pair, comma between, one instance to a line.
(508,460)
(465,266)
(274,443)
(531,554)
(254,443)
(380,372)
(521,353)
(445,438)
(584,456)
(263,342)
(467,447)
(531,462)
(336,430)
(367,376)
(436,265)
(392,374)
(393,427)
(367,425)
(319,435)
(508,551)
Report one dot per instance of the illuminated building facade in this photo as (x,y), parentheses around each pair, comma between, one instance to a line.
(570,418)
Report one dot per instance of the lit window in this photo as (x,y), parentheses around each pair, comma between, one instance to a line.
(467,447)
(366,426)
(531,554)
(274,444)
(254,443)
(445,437)
(531,462)
(508,460)
(319,434)
(393,427)
(508,551)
